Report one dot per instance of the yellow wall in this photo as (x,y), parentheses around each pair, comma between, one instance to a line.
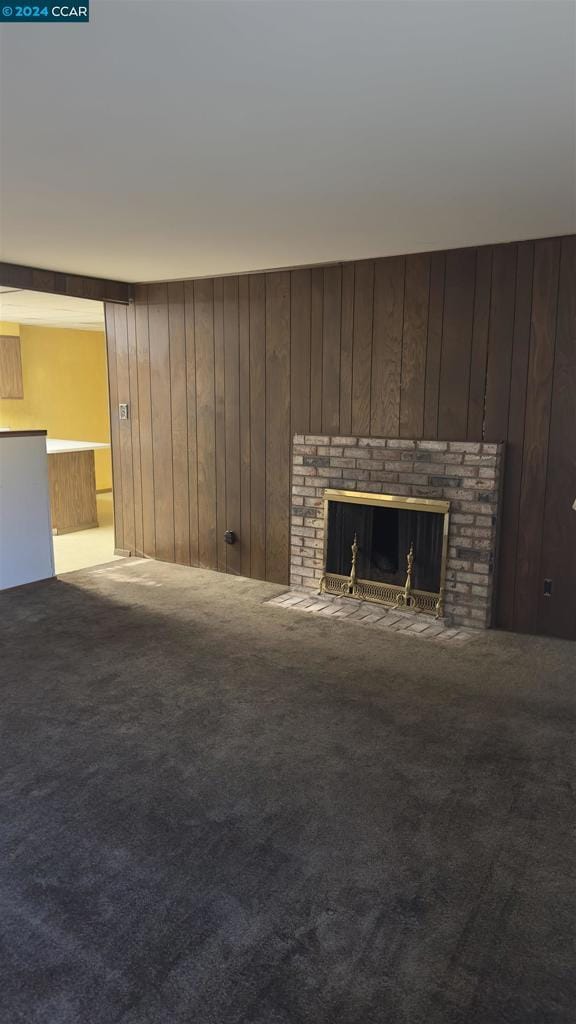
(65,388)
(6,328)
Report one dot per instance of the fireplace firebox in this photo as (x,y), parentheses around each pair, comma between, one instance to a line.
(386,548)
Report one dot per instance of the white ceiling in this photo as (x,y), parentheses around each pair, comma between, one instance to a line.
(178,139)
(43,310)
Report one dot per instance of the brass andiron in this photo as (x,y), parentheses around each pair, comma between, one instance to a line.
(405,598)
(409,571)
(352,579)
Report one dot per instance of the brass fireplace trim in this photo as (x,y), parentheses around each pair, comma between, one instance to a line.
(390,500)
(373,590)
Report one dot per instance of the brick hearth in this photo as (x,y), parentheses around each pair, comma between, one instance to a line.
(465,473)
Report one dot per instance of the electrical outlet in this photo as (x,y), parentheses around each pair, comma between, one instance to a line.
(123,411)
(547,588)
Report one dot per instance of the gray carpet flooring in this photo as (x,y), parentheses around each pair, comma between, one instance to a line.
(215,811)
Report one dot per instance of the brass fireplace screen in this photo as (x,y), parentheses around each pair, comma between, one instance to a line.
(386,549)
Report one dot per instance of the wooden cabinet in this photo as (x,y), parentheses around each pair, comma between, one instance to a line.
(11,385)
(72,491)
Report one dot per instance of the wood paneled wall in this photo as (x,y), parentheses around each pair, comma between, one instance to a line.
(467,344)
(33,279)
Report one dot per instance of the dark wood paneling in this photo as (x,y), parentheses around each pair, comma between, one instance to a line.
(434,345)
(220,423)
(414,338)
(386,361)
(258,425)
(179,417)
(205,421)
(500,338)
(536,432)
(511,512)
(191,401)
(362,348)
(479,353)
(346,347)
(300,321)
(557,613)
(456,343)
(36,280)
(145,416)
(476,344)
(244,390)
(277,425)
(232,420)
(160,388)
(331,325)
(316,337)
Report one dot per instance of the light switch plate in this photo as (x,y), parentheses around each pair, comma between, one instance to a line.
(123,410)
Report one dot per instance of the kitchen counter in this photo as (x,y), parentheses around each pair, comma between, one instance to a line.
(72,477)
(57,445)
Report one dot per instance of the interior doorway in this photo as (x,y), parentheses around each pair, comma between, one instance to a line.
(54,377)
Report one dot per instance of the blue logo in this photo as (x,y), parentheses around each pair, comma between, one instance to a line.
(32,14)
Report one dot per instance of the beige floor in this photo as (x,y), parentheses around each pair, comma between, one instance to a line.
(87,547)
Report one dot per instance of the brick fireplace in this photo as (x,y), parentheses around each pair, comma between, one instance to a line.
(465,474)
